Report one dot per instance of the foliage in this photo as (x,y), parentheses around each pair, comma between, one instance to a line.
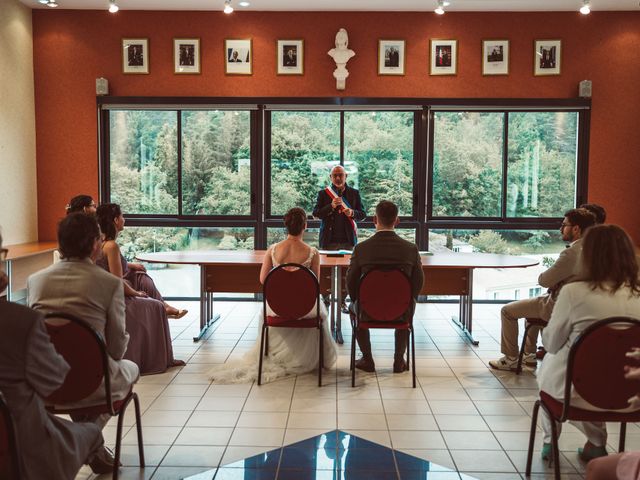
(490,242)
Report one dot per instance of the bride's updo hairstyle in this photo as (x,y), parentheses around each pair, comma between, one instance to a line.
(609,259)
(294,220)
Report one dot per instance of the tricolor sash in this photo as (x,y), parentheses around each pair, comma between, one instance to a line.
(332,194)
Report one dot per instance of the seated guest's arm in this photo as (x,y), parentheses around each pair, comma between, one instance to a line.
(417,275)
(45,369)
(561,271)
(556,334)
(267,265)
(112,251)
(353,275)
(315,265)
(116,335)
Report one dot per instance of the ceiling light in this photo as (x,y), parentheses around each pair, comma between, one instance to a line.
(44,2)
(244,4)
(227,6)
(52,4)
(440,8)
(113,8)
(586,8)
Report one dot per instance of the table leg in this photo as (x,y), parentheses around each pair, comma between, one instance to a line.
(8,272)
(207,317)
(332,311)
(338,306)
(465,319)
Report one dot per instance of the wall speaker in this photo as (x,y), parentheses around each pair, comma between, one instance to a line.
(102,86)
(584,89)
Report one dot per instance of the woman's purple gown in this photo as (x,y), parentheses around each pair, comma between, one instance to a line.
(147,323)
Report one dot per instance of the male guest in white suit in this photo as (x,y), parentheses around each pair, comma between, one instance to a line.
(563,271)
(77,286)
(30,370)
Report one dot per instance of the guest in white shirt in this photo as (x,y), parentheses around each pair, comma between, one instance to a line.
(610,288)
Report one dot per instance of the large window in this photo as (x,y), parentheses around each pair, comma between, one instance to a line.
(473,150)
(466,177)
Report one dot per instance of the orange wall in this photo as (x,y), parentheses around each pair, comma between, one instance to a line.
(73,48)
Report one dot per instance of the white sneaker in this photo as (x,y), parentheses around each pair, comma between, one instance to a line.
(530,360)
(505,363)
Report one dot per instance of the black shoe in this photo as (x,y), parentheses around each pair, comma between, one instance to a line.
(366,364)
(344,307)
(400,366)
(102,461)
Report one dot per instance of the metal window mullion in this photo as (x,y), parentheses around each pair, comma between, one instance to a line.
(179,165)
(505,164)
(342,138)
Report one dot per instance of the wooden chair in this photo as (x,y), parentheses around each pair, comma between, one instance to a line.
(85,351)
(528,325)
(9,459)
(385,300)
(291,291)
(595,370)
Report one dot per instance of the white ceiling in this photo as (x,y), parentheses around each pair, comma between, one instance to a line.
(350,5)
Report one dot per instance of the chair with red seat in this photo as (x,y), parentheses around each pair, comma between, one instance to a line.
(84,349)
(595,370)
(9,459)
(385,300)
(292,292)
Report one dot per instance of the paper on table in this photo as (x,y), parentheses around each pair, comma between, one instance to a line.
(335,252)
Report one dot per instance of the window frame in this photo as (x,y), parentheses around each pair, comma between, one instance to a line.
(260,131)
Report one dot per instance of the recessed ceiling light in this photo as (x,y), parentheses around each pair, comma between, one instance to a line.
(227,7)
(113,8)
(244,4)
(586,8)
(439,9)
(52,4)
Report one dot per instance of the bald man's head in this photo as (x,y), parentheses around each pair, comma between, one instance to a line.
(338,176)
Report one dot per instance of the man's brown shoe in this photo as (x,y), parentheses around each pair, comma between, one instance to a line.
(400,366)
(102,461)
(365,364)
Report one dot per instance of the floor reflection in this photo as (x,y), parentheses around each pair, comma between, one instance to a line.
(334,455)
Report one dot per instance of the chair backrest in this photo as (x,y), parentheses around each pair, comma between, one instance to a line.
(84,349)
(9,460)
(291,290)
(597,360)
(384,294)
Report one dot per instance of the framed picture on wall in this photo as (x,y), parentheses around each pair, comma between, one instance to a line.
(546,57)
(238,59)
(290,57)
(186,55)
(135,55)
(495,57)
(444,57)
(391,57)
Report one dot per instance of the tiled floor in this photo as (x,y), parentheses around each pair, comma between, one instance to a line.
(463,415)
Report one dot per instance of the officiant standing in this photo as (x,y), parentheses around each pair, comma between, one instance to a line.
(339,207)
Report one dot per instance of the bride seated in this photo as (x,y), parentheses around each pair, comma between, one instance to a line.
(291,350)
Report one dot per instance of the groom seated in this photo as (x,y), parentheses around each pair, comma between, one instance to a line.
(385,247)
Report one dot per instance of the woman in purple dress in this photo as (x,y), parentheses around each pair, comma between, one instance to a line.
(146,311)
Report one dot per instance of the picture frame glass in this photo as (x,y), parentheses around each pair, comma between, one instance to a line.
(186,55)
(547,56)
(444,57)
(495,57)
(135,55)
(290,57)
(391,57)
(238,57)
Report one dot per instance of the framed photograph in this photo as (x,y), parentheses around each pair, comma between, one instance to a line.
(444,57)
(290,57)
(135,55)
(495,57)
(546,57)
(390,57)
(186,55)
(238,59)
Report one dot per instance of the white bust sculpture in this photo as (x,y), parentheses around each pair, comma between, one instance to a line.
(341,55)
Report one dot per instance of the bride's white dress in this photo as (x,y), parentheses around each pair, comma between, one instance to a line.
(291,350)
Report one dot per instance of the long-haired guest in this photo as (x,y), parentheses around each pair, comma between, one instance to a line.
(146,311)
(609,288)
(82,204)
